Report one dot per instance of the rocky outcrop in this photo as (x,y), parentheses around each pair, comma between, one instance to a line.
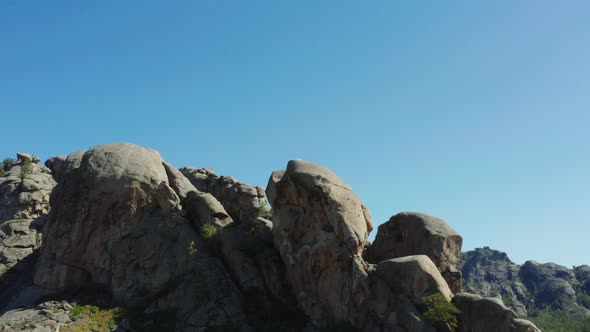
(200,246)
(491,273)
(61,165)
(320,228)
(24,205)
(552,285)
(125,219)
(116,221)
(25,194)
(18,239)
(240,200)
(528,287)
(45,317)
(488,315)
(20,156)
(410,233)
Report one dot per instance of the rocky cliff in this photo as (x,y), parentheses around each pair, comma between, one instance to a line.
(148,244)
(531,286)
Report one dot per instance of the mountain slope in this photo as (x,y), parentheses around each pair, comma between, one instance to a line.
(529,287)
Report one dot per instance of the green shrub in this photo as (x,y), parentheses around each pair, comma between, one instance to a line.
(26,168)
(76,311)
(7,163)
(210,236)
(2,171)
(192,248)
(441,312)
(208,232)
(263,212)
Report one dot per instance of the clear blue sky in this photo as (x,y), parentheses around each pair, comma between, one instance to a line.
(476,112)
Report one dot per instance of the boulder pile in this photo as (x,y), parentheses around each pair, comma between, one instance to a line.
(209,250)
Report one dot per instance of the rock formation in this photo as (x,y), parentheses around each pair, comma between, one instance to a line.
(202,247)
(321,229)
(488,315)
(240,200)
(116,221)
(528,287)
(25,194)
(491,273)
(410,233)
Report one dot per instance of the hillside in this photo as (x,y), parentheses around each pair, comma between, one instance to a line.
(532,289)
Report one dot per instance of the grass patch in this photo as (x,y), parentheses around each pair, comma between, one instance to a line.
(92,318)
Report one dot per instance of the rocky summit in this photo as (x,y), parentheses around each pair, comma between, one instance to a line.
(529,287)
(114,238)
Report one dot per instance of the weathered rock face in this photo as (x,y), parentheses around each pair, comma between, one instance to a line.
(24,205)
(320,228)
(553,285)
(491,273)
(28,197)
(240,200)
(410,233)
(247,247)
(416,276)
(45,317)
(61,165)
(531,286)
(117,221)
(488,314)
(18,239)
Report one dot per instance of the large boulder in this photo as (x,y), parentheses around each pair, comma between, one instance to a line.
(320,228)
(488,315)
(240,200)
(60,165)
(414,276)
(120,220)
(410,233)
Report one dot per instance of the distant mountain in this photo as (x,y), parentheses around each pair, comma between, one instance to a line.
(526,288)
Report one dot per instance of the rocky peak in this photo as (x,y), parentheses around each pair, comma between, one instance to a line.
(528,287)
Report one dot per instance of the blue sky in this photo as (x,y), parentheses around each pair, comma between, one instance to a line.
(475,112)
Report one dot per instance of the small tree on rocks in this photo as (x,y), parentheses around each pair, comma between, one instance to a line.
(440,311)
(26,168)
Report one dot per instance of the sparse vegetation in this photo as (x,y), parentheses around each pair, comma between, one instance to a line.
(441,312)
(192,248)
(26,168)
(210,236)
(92,318)
(263,212)
(7,163)
(208,232)
(549,320)
(2,171)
